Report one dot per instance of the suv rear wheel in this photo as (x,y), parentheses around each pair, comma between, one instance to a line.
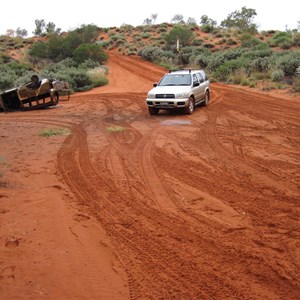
(191,106)
(153,110)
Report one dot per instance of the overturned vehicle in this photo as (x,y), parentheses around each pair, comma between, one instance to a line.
(33,95)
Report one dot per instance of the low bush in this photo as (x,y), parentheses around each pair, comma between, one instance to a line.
(277,75)
(296,85)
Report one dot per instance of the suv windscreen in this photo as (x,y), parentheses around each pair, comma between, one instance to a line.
(182,79)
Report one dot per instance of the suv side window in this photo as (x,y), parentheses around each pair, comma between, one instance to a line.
(195,79)
(201,79)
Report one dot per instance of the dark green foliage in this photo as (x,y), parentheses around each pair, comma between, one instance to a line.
(89,51)
(183,33)
(80,81)
(87,33)
(75,44)
(55,48)
(223,71)
(188,54)
(197,42)
(70,43)
(219,58)
(231,42)
(289,62)
(207,24)
(38,51)
(248,40)
(281,39)
(40,27)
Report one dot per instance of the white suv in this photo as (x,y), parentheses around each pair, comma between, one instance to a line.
(179,89)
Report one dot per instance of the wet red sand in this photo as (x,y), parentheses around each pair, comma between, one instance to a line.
(133,206)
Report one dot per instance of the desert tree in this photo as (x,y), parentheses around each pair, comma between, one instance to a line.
(242,20)
(51,28)
(177,19)
(191,21)
(207,24)
(39,27)
(10,32)
(147,21)
(179,34)
(21,32)
(154,17)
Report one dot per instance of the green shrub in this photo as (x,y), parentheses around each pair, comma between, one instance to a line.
(277,75)
(249,41)
(89,51)
(145,35)
(289,62)
(231,42)
(183,33)
(80,80)
(260,64)
(247,82)
(220,57)
(296,39)
(296,85)
(54,132)
(282,39)
(6,81)
(207,28)
(97,76)
(202,60)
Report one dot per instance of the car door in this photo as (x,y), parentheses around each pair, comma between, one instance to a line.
(196,87)
(201,86)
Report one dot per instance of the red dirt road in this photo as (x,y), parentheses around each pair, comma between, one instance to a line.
(133,206)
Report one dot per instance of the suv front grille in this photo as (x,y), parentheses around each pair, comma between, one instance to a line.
(165,96)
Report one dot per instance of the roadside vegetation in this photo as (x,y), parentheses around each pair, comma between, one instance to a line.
(232,52)
(54,132)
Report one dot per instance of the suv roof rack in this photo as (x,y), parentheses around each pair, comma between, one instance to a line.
(180,70)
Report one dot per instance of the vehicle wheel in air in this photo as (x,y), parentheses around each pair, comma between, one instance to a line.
(191,106)
(206,99)
(153,110)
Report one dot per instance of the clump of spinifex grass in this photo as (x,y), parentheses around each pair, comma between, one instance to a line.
(115,129)
(54,132)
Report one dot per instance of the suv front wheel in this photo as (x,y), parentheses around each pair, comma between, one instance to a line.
(207,98)
(191,106)
(153,110)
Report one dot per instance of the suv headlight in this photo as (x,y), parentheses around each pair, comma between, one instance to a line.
(182,95)
(151,95)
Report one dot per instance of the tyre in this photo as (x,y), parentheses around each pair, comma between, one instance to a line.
(206,99)
(153,110)
(191,106)
(55,98)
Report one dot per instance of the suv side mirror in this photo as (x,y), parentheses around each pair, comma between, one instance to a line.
(196,84)
(155,84)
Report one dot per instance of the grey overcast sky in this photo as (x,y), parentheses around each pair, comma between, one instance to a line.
(69,15)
